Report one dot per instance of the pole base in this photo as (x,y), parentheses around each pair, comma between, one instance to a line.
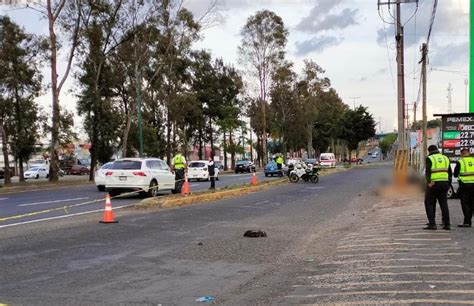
(108,222)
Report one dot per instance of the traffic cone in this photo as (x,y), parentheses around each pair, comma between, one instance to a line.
(108,216)
(254,179)
(185,188)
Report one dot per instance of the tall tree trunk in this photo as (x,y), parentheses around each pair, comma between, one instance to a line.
(232,153)
(126,134)
(7,179)
(310,139)
(211,136)
(200,143)
(93,151)
(168,137)
(21,170)
(225,151)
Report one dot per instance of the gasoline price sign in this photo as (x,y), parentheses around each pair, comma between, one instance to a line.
(458,133)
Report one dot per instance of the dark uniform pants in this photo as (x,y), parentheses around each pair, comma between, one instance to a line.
(439,192)
(213,180)
(179,180)
(280,169)
(466,193)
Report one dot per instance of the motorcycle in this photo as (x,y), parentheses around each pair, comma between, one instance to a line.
(305,173)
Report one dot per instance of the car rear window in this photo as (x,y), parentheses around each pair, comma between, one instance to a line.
(325,157)
(127,165)
(197,165)
(242,162)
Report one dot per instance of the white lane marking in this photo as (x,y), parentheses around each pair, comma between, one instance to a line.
(64,216)
(50,202)
(354,284)
(314,188)
(3,199)
(411,302)
(368,292)
(378,244)
(262,202)
(388,254)
(360,273)
(193,185)
(350,262)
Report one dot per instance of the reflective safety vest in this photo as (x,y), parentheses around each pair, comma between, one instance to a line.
(439,167)
(279,160)
(179,162)
(466,173)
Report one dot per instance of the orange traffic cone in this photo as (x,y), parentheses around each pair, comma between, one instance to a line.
(108,216)
(185,188)
(254,179)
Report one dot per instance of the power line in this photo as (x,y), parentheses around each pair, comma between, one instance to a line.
(433,15)
(388,57)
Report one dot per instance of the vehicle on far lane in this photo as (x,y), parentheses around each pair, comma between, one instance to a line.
(99,177)
(148,176)
(197,170)
(79,170)
(327,160)
(242,166)
(271,169)
(36,173)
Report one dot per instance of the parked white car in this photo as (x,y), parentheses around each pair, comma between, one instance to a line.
(36,173)
(327,160)
(146,175)
(99,176)
(198,170)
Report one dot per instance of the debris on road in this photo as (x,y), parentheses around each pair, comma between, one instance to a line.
(205,299)
(255,234)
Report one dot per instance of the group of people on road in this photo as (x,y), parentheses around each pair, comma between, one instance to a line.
(179,167)
(438,182)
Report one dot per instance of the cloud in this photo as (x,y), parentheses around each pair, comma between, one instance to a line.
(316,22)
(316,44)
(449,54)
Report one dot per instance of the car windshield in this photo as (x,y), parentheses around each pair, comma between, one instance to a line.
(127,165)
(242,162)
(34,169)
(197,165)
(325,157)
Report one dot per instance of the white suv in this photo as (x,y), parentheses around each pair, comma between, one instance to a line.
(198,170)
(147,175)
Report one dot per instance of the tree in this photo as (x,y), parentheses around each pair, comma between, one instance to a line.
(356,125)
(96,97)
(264,38)
(20,84)
(431,124)
(387,142)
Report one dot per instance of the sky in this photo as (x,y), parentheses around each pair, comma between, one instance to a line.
(348,39)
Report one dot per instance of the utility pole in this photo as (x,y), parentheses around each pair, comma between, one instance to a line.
(424,147)
(354,99)
(414,113)
(450,102)
(401,79)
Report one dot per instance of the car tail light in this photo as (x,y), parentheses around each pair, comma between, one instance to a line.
(109,173)
(139,173)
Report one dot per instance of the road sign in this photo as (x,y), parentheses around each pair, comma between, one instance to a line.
(457,133)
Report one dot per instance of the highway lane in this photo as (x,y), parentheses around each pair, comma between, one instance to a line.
(38,205)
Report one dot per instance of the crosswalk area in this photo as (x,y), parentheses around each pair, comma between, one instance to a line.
(390,260)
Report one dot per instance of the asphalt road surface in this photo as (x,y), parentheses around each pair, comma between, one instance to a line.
(175,256)
(33,206)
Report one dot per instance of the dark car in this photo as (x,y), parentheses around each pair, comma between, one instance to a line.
(79,170)
(2,173)
(271,169)
(312,161)
(242,166)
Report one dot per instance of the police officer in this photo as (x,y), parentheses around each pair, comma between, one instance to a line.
(464,170)
(438,180)
(279,162)
(178,164)
(211,169)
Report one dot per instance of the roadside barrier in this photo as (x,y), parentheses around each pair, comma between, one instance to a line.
(108,216)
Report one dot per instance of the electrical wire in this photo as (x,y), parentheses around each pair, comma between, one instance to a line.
(433,15)
(389,59)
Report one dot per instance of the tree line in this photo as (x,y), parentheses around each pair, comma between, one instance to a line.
(143,88)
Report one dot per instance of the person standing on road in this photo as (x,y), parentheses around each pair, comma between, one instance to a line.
(438,181)
(211,168)
(279,162)
(464,170)
(178,164)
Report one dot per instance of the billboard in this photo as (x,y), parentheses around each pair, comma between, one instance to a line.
(457,133)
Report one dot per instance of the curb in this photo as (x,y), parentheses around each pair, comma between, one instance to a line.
(208,196)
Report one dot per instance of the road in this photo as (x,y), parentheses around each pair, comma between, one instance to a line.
(177,255)
(33,206)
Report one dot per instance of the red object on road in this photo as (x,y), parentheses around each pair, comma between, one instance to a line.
(254,179)
(108,216)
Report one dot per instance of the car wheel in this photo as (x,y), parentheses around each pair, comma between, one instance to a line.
(101,187)
(217,177)
(153,189)
(315,179)
(37,176)
(47,175)
(266,174)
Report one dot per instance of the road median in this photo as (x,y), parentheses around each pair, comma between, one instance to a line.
(37,186)
(219,194)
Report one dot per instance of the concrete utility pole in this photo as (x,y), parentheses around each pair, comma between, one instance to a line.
(424,147)
(450,101)
(401,79)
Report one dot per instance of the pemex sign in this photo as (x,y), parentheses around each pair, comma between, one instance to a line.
(457,132)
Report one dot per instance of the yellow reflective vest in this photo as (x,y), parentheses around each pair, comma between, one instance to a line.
(439,167)
(179,162)
(466,172)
